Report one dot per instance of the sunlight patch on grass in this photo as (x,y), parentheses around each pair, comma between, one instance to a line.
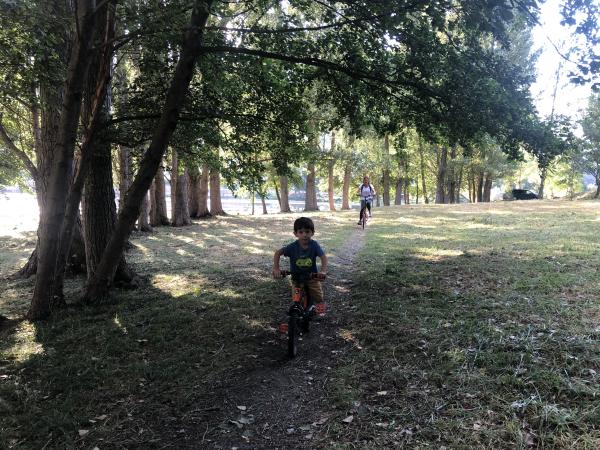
(25,345)
(119,324)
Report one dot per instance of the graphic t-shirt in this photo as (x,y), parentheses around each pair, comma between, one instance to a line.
(303,261)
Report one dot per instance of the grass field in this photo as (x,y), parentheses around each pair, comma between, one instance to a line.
(472,326)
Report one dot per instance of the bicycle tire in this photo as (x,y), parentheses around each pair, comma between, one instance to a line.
(293,335)
(363,220)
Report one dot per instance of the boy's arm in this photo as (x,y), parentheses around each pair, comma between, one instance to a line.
(276,270)
(323,269)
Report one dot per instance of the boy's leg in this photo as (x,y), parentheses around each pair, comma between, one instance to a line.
(316,294)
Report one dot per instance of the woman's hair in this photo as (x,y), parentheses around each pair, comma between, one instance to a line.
(304,223)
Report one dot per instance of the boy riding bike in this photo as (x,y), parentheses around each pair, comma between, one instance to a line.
(303,255)
(366,193)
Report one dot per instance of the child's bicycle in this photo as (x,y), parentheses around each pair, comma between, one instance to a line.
(364,217)
(301,312)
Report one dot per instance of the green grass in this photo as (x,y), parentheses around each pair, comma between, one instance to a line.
(484,329)
(149,369)
(473,326)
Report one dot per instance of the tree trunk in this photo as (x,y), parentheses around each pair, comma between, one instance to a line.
(216,207)
(480,181)
(62,165)
(277,193)
(310,202)
(386,170)
(194,192)
(330,185)
(174,179)
(399,188)
(440,196)
(543,173)
(143,220)
(125,173)
(284,202)
(203,193)
(158,202)
(422,165)
(407,191)
(597,194)
(264,203)
(346,187)
(181,212)
(97,288)
(487,187)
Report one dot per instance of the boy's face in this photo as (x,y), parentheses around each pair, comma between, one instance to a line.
(304,235)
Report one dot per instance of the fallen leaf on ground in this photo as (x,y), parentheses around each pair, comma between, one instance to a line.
(83,432)
(348,419)
(241,408)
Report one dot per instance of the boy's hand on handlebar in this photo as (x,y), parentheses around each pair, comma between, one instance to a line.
(277,273)
(321,275)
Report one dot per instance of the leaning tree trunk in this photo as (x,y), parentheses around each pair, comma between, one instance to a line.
(310,202)
(181,212)
(440,196)
(62,164)
(346,187)
(285,191)
(97,288)
(597,194)
(216,207)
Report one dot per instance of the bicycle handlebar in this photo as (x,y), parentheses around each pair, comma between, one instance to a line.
(319,276)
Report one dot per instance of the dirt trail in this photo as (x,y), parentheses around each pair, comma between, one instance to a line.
(286,404)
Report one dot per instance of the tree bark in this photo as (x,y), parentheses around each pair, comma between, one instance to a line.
(285,201)
(193,192)
(487,187)
(330,179)
(480,182)
(310,201)
(346,187)
(216,207)
(97,288)
(399,188)
(264,203)
(174,179)
(276,187)
(144,219)
(543,173)
(181,212)
(62,165)
(422,165)
(203,193)
(386,170)
(158,208)
(125,173)
(440,196)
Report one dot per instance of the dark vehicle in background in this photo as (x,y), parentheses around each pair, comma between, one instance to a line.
(520,194)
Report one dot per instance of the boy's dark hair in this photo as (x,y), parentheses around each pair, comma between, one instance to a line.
(304,223)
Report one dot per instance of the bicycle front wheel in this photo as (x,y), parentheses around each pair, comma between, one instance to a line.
(293,332)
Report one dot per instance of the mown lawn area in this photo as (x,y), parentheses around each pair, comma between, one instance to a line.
(476,326)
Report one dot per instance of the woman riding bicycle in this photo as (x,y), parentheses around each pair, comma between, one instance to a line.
(366,193)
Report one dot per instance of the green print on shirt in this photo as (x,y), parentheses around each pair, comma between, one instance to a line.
(304,262)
